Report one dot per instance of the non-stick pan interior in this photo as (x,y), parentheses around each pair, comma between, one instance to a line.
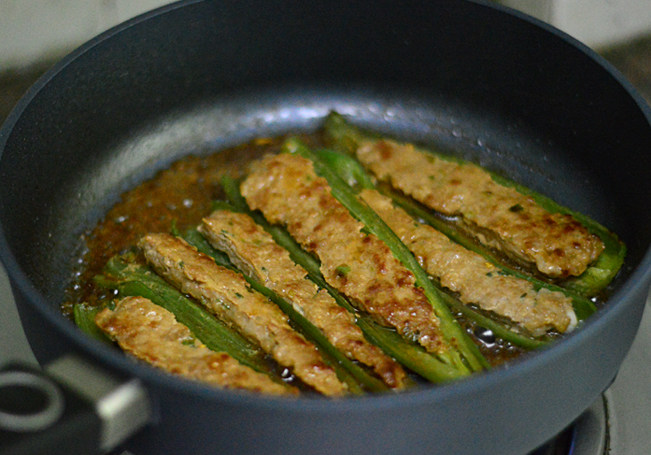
(213,74)
(206,127)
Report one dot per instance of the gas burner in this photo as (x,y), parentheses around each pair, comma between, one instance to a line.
(588,435)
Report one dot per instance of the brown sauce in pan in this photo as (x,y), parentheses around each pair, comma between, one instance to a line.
(180,196)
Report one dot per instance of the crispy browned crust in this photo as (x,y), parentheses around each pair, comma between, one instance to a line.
(151,333)
(252,249)
(287,191)
(474,279)
(556,244)
(226,294)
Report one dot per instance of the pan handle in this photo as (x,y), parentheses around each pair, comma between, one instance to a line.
(68,407)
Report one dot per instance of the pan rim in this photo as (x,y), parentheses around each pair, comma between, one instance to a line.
(620,301)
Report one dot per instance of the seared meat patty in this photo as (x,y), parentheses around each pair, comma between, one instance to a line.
(226,294)
(499,216)
(287,191)
(151,333)
(475,280)
(254,251)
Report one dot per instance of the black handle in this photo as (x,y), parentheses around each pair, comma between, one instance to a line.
(68,407)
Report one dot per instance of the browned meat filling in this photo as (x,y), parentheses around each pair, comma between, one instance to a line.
(477,281)
(287,191)
(151,333)
(556,244)
(253,250)
(226,294)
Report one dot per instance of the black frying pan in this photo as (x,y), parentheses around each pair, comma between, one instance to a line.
(497,87)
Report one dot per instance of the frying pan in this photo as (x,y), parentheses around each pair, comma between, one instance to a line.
(488,83)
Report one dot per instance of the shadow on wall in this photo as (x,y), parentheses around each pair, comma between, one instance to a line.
(597,23)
